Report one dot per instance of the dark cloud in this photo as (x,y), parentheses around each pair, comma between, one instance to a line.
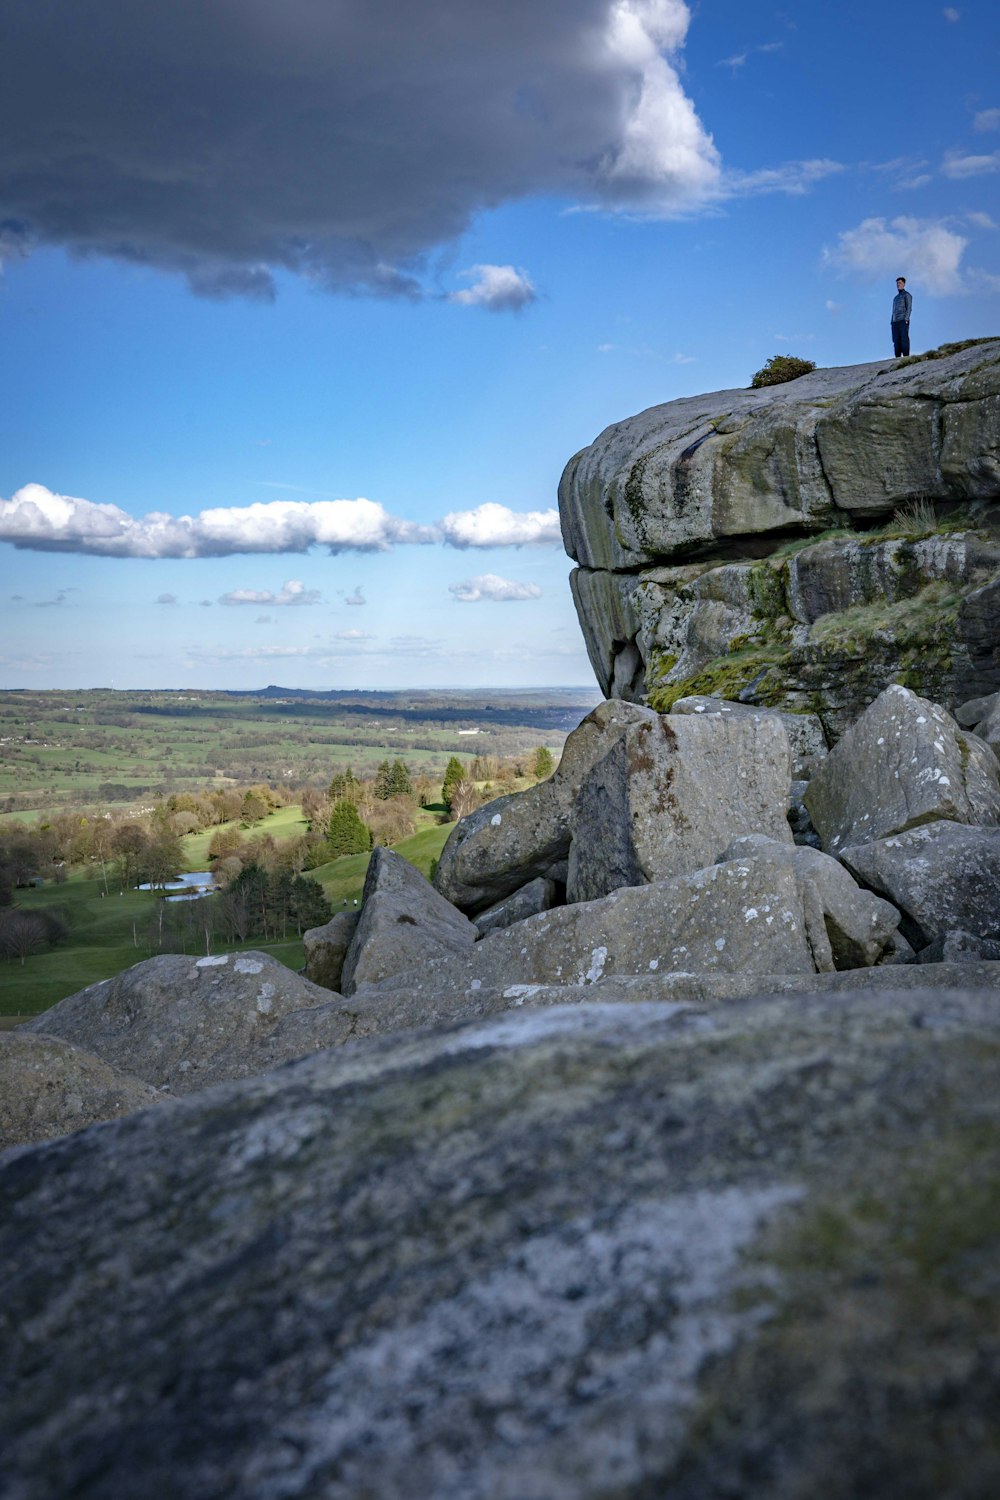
(341,139)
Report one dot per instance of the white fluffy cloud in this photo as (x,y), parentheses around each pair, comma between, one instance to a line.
(493,525)
(291,592)
(344,142)
(490,586)
(38,519)
(497,288)
(925,251)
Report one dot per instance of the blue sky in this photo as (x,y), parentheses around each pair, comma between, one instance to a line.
(304,306)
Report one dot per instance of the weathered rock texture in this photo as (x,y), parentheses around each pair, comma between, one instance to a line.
(404,922)
(607,1251)
(184,1023)
(48,1087)
(515,839)
(326,948)
(944,877)
(671,794)
(905,762)
(681,518)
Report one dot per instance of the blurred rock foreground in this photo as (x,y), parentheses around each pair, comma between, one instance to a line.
(655,1149)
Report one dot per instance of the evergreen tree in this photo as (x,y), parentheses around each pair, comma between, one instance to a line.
(454,773)
(344,785)
(399,780)
(543,764)
(309,905)
(383,781)
(345,832)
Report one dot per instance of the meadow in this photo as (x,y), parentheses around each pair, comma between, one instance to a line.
(109,932)
(98,748)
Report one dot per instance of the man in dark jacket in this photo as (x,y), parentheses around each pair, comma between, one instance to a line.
(902,305)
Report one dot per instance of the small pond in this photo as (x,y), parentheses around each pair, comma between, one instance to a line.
(187,887)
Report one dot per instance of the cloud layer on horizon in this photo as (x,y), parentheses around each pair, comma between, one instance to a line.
(344,142)
(36,519)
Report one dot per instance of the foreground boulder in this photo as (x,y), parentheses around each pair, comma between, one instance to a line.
(611,1250)
(804,731)
(48,1087)
(669,796)
(184,1023)
(905,762)
(404,922)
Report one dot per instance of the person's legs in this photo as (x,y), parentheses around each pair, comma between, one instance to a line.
(900,339)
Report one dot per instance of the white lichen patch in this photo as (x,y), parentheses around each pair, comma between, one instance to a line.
(249,966)
(214,961)
(496,820)
(266,994)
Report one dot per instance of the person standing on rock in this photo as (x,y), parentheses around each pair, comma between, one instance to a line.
(902,305)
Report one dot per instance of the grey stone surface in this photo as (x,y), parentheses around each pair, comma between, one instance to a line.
(944,877)
(976,710)
(564,1255)
(48,1088)
(538,895)
(403,922)
(905,762)
(863,439)
(804,731)
(184,1023)
(750,915)
(725,477)
(515,839)
(857,927)
(326,948)
(671,793)
(960,948)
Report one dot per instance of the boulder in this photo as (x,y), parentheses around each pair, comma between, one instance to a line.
(983,715)
(944,877)
(326,948)
(671,793)
(804,731)
(960,948)
(48,1087)
(403,922)
(515,839)
(597,1250)
(679,520)
(857,926)
(183,1023)
(905,762)
(751,915)
(538,895)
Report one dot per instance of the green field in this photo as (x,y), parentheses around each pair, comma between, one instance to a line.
(111,932)
(101,748)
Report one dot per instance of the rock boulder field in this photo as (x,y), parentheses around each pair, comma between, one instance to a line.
(630,1251)
(691,524)
(653,1148)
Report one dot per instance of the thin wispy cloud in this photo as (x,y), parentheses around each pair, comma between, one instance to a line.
(958,164)
(491,588)
(292,592)
(339,142)
(357,598)
(926,251)
(497,289)
(792,177)
(951,14)
(166,599)
(981,220)
(986,119)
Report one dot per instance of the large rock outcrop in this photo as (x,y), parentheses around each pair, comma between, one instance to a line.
(48,1087)
(639,1250)
(690,524)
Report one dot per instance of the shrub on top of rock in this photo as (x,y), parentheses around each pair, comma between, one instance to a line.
(779,368)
